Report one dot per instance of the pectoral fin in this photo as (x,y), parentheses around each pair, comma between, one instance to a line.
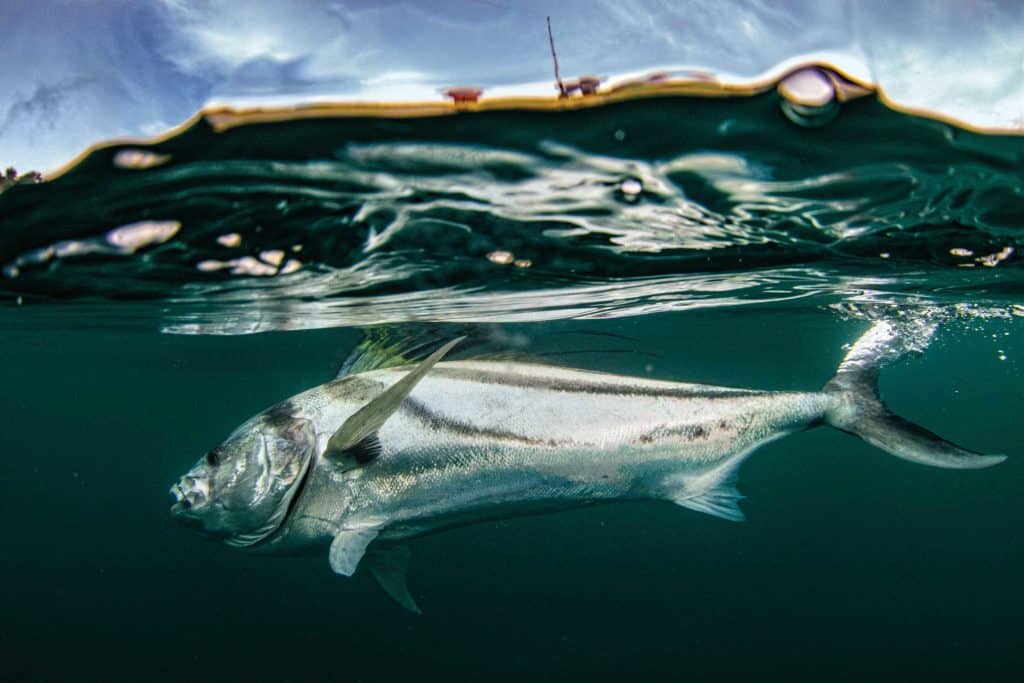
(348,547)
(366,450)
(390,567)
(372,416)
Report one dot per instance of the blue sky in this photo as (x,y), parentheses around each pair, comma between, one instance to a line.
(80,71)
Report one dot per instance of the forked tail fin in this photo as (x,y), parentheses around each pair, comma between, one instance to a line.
(858,409)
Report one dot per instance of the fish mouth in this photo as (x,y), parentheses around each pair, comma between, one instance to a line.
(189,494)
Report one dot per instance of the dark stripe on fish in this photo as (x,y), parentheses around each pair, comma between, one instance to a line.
(692,433)
(495,376)
(420,412)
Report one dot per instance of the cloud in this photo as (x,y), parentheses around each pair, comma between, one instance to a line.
(77,72)
(222,36)
(968,64)
(42,106)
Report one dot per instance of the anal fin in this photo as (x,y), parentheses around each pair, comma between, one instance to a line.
(721,500)
(390,567)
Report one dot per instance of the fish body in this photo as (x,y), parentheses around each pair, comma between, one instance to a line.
(392,453)
(484,439)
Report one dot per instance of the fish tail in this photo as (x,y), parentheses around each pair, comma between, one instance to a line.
(857,407)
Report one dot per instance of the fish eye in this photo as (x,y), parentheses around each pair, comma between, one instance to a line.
(213,457)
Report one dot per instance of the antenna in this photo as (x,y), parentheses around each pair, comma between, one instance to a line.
(554,58)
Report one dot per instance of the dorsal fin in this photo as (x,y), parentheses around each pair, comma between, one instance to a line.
(390,347)
(372,416)
(407,344)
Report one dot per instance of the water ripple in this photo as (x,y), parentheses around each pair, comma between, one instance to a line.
(633,207)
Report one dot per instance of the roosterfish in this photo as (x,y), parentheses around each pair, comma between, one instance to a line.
(380,455)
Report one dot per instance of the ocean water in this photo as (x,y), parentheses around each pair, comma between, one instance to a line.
(158,294)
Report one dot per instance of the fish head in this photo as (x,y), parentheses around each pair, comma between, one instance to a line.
(241,491)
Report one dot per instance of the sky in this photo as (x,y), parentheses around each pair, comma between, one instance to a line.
(75,72)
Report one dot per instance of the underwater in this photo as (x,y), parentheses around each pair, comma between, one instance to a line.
(685,372)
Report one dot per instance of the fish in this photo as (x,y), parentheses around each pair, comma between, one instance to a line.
(382,454)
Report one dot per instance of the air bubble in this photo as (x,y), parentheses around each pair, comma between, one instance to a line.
(139,159)
(133,236)
(500,257)
(631,187)
(272,256)
(808,98)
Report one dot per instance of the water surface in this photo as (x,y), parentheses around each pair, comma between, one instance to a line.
(696,239)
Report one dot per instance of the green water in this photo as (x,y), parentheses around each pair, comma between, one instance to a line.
(851,561)
(705,240)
